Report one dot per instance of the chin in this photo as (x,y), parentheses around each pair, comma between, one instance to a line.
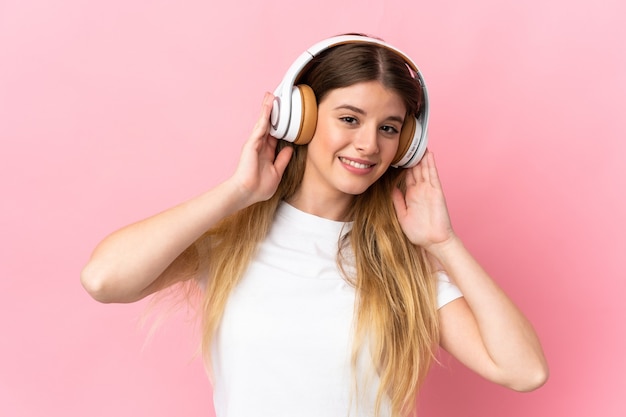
(356,186)
(354,191)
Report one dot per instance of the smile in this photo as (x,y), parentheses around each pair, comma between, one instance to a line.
(355,164)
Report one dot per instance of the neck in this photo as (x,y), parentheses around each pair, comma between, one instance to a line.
(329,207)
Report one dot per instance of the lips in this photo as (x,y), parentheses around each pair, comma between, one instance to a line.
(355,164)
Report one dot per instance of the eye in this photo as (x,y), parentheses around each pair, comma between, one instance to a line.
(349,120)
(391,130)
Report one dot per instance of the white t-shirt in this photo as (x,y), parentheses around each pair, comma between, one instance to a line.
(283,348)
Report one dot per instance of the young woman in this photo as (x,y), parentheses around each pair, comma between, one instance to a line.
(329,268)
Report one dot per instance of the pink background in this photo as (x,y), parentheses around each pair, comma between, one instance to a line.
(111,111)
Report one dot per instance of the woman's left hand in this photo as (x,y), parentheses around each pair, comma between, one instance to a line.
(422,210)
(483,329)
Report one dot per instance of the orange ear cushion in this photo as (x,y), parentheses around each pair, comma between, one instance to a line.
(406,137)
(308,122)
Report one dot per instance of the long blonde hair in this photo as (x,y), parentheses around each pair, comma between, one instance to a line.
(395,311)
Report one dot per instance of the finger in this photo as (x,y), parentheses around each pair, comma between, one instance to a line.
(262,125)
(411,177)
(399,203)
(267,147)
(418,172)
(425,167)
(433,173)
(282,159)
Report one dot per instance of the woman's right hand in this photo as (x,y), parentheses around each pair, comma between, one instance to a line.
(259,171)
(141,258)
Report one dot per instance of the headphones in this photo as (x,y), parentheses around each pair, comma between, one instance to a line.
(294,111)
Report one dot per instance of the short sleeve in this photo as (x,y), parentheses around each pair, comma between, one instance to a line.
(446,290)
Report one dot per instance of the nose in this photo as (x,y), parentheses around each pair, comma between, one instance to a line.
(366,141)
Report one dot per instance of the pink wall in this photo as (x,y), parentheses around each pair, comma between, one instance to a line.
(110,111)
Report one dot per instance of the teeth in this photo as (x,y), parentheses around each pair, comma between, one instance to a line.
(354,164)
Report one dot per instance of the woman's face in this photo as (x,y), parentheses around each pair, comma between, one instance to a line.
(355,141)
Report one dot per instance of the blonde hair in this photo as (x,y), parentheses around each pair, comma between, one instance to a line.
(396,309)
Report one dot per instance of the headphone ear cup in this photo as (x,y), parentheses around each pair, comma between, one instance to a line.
(303,115)
(412,144)
(407,136)
(308,119)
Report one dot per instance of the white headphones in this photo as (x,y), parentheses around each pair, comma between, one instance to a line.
(294,113)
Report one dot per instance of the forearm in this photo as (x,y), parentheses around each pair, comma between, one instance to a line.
(125,265)
(508,337)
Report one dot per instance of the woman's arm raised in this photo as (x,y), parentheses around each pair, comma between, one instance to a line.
(132,262)
(484,329)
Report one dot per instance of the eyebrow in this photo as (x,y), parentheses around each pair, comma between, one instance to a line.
(364,113)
